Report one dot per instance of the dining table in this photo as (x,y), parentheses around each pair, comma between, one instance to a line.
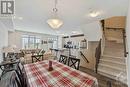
(39,75)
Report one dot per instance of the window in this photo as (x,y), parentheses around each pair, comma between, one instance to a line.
(30,42)
(53,43)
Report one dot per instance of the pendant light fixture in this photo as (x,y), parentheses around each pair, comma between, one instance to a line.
(55,22)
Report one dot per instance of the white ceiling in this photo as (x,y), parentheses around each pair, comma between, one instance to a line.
(74,13)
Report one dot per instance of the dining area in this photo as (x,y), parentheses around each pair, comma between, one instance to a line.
(63,72)
(51,73)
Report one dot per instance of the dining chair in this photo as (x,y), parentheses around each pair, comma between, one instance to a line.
(38,56)
(42,51)
(15,81)
(63,59)
(10,79)
(73,62)
(22,74)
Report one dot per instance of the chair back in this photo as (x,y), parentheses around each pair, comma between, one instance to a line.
(41,52)
(15,81)
(10,79)
(22,74)
(63,59)
(74,62)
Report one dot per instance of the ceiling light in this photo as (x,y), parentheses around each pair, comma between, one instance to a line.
(94,13)
(55,22)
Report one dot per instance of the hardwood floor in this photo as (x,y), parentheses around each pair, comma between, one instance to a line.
(102,80)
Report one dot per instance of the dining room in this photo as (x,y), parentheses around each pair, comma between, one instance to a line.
(61,43)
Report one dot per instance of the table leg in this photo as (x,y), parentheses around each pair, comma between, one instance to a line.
(42,57)
(32,60)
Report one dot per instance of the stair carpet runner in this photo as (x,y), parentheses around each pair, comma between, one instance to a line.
(113,63)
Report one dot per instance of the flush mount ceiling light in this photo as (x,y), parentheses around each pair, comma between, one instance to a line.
(55,22)
(94,13)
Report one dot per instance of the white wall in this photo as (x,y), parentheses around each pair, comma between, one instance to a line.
(3,39)
(92,31)
(88,52)
(8,22)
(15,38)
(128,42)
(60,42)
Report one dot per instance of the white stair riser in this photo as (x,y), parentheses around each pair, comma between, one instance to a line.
(120,60)
(111,43)
(116,54)
(123,66)
(114,46)
(113,77)
(113,50)
(106,69)
(114,68)
(107,75)
(111,68)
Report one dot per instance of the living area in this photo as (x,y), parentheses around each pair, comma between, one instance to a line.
(60,43)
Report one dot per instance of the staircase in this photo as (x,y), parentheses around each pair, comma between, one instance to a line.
(112,62)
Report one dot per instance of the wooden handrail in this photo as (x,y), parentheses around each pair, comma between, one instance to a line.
(103,36)
(103,24)
(103,44)
(114,28)
(98,54)
(84,56)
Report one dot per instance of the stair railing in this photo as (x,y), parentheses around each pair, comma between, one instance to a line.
(124,42)
(103,36)
(98,54)
(83,56)
(100,48)
(102,44)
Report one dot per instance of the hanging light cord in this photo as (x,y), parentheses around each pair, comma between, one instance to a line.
(55,8)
